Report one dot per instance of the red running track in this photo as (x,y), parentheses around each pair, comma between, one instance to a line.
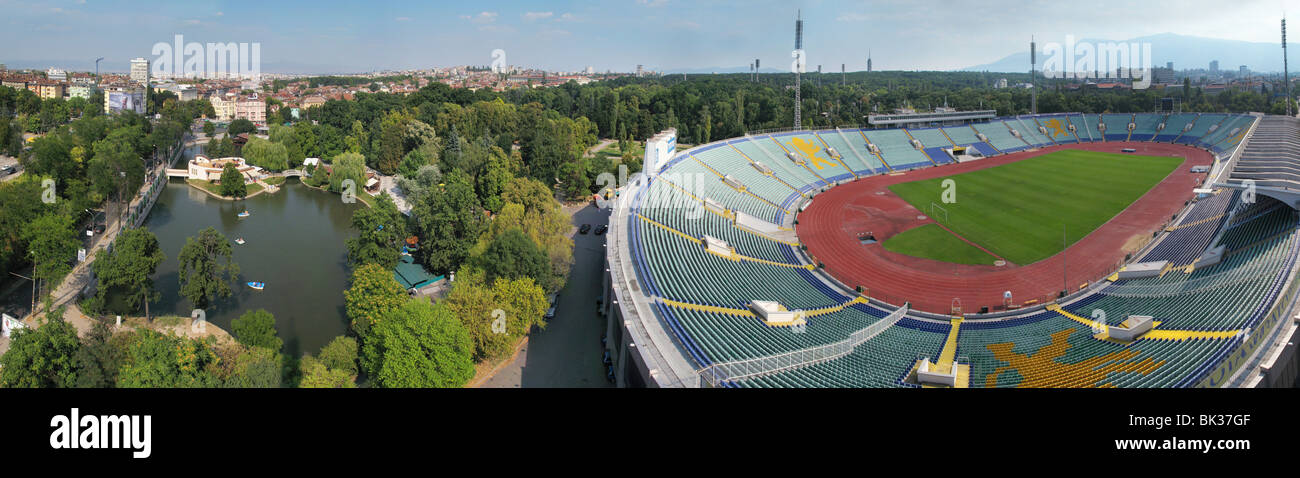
(830,228)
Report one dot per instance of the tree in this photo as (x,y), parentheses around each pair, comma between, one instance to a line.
(154,360)
(494,180)
(513,255)
(240,126)
(419,345)
(374,292)
(448,222)
(209,128)
(480,307)
(206,269)
(42,357)
(340,354)
(315,374)
(100,356)
(348,166)
(256,328)
(380,232)
(128,267)
(256,367)
(232,182)
(52,240)
(266,154)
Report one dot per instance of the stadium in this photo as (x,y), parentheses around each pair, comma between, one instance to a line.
(963,250)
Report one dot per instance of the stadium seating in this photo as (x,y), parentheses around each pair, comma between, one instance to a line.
(1204,122)
(1029,131)
(1144,126)
(1000,137)
(701,297)
(1174,125)
(1116,125)
(896,149)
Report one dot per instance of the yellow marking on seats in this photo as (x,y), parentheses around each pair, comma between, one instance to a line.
(670,229)
(1041,370)
(923,151)
(805,164)
(773,175)
(878,155)
(949,353)
(708,308)
(990,143)
(835,308)
(727,213)
(1167,268)
(1155,333)
(1195,223)
(1088,322)
(839,159)
(734,256)
(945,135)
(1190,334)
(706,166)
(810,151)
(1055,127)
(1190,267)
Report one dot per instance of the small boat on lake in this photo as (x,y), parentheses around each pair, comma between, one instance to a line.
(243,214)
(239,241)
(257,285)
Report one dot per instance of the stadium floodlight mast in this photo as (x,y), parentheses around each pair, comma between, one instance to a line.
(798,68)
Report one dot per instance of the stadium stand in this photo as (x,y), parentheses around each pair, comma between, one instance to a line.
(1144,128)
(1000,137)
(699,294)
(1116,126)
(1174,125)
(896,149)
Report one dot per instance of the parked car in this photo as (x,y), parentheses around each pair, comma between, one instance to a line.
(7,170)
(552,299)
(584,229)
(601,229)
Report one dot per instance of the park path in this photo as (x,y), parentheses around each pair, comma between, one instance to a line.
(68,291)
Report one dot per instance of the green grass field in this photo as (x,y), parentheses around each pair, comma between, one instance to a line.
(922,241)
(1017,210)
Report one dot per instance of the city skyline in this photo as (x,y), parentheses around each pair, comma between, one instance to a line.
(666,35)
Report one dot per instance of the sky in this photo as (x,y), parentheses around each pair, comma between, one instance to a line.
(617,35)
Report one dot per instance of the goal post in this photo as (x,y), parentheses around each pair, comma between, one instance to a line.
(937,212)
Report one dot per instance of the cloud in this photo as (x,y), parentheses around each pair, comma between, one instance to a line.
(191,22)
(568,17)
(652,3)
(496,29)
(403,19)
(533,16)
(852,17)
(685,25)
(481,18)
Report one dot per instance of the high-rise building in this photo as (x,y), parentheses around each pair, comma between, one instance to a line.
(1242,70)
(1169,65)
(1214,66)
(140,71)
(640,71)
(56,74)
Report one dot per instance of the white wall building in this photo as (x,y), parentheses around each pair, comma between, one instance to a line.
(140,71)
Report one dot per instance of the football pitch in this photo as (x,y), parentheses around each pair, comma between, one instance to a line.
(1018,210)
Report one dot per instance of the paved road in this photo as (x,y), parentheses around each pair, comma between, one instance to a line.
(568,352)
